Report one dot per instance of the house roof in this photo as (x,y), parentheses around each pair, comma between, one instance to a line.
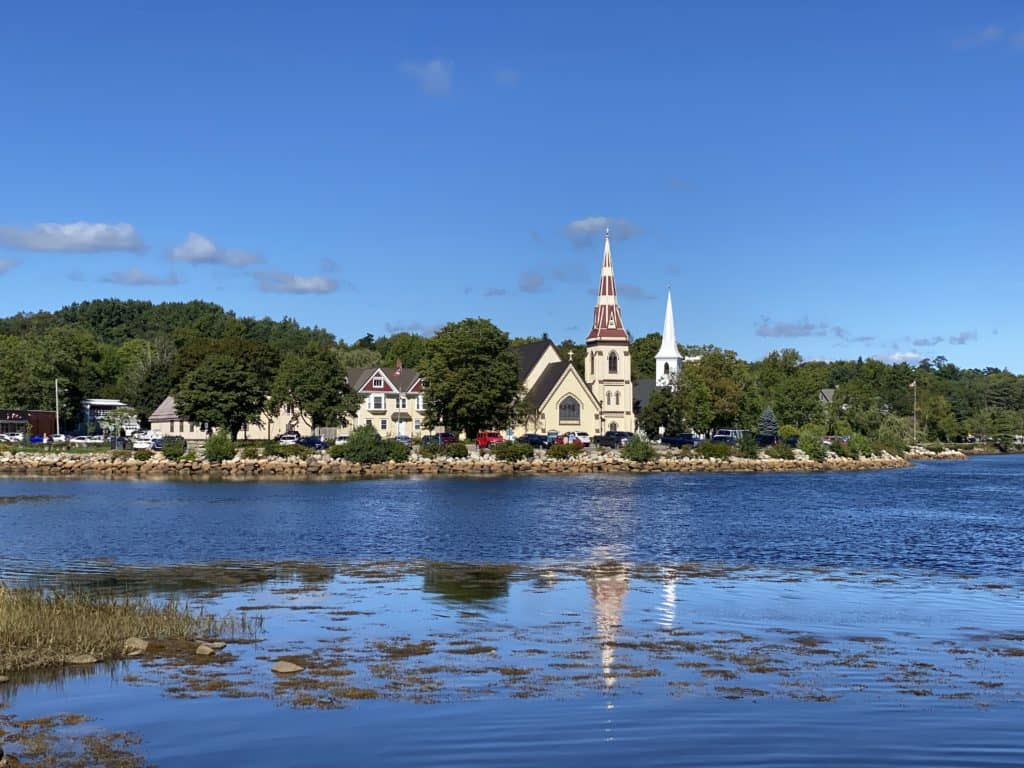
(528,355)
(402,379)
(548,380)
(165,411)
(828,395)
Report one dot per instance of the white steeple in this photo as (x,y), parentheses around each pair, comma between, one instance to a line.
(668,361)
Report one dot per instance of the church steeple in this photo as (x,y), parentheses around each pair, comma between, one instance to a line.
(668,361)
(607,314)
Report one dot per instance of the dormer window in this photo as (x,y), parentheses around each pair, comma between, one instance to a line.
(377,382)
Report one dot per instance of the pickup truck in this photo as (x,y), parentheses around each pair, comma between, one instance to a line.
(485,438)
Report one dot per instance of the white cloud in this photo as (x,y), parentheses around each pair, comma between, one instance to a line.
(584,231)
(135,276)
(284,282)
(991,34)
(963,337)
(507,77)
(531,282)
(782,329)
(416,327)
(434,77)
(76,237)
(199,249)
(6,264)
(902,357)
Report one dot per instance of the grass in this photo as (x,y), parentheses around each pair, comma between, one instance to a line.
(44,628)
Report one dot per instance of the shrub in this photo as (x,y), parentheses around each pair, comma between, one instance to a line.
(812,443)
(365,446)
(787,431)
(512,451)
(709,450)
(220,446)
(564,451)
(860,446)
(143,454)
(250,452)
(431,450)
(174,447)
(274,448)
(456,451)
(892,434)
(336,451)
(397,451)
(684,452)
(780,451)
(120,454)
(190,456)
(747,446)
(637,449)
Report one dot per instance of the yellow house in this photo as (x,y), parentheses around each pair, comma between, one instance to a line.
(167,420)
(392,401)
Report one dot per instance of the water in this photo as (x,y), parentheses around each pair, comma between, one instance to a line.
(768,620)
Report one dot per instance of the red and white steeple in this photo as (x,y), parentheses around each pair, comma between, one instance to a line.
(607,314)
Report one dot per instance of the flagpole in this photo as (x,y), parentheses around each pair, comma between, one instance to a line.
(915,411)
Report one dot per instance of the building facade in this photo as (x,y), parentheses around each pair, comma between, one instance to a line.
(166,419)
(392,401)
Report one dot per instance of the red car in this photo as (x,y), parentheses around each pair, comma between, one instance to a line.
(571,438)
(487,437)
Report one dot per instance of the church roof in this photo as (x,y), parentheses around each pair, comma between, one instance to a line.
(669,347)
(547,382)
(607,314)
(528,355)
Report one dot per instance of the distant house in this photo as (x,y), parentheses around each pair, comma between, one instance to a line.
(167,420)
(392,400)
(35,422)
(827,396)
(95,408)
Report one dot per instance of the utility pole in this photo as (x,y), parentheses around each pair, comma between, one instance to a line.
(915,412)
(56,401)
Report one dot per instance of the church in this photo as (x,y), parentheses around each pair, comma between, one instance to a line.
(601,400)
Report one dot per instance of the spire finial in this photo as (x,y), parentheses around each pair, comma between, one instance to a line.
(607,232)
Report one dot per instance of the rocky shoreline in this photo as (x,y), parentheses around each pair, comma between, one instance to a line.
(324,467)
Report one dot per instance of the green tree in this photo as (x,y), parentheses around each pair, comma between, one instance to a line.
(470,377)
(223,393)
(767,424)
(642,352)
(313,383)
(663,409)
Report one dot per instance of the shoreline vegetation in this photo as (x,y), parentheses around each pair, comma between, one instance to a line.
(321,466)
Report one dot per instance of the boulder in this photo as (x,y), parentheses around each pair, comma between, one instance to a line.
(4,679)
(218,645)
(82,658)
(285,668)
(135,646)
(204,650)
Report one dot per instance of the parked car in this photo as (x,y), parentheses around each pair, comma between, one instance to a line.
(289,438)
(58,438)
(404,440)
(341,439)
(569,438)
(613,439)
(831,439)
(537,441)
(147,443)
(442,439)
(315,442)
(12,437)
(552,435)
(584,437)
(485,438)
(88,440)
(728,436)
(678,441)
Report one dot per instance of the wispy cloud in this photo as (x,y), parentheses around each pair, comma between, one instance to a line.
(495,292)
(790,330)
(416,327)
(531,282)
(7,264)
(963,338)
(929,341)
(135,276)
(76,237)
(507,77)
(573,274)
(989,35)
(902,357)
(631,291)
(583,232)
(841,333)
(327,264)
(199,249)
(434,77)
(285,282)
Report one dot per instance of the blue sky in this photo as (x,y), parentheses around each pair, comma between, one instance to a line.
(843,178)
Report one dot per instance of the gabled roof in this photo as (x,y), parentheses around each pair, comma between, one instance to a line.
(550,378)
(165,411)
(827,395)
(642,391)
(528,355)
(396,379)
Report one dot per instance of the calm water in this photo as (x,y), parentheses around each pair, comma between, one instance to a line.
(781,620)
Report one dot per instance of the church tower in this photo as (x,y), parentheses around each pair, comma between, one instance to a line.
(668,361)
(608,369)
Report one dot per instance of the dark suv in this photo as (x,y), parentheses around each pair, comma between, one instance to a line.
(315,442)
(443,439)
(678,441)
(612,439)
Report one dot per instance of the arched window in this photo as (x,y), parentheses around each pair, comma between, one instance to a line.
(666,369)
(569,410)
(613,363)
(613,427)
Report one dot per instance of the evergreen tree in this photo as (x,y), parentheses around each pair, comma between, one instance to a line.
(767,426)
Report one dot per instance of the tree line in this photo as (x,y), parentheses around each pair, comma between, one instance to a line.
(227,371)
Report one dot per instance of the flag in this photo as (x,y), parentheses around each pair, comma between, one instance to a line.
(913,384)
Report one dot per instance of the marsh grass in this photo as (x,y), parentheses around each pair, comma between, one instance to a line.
(44,628)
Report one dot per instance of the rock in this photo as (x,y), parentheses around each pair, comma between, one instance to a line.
(204,650)
(82,658)
(217,645)
(4,679)
(135,646)
(285,668)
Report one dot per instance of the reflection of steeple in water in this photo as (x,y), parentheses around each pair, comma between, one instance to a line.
(608,584)
(667,606)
